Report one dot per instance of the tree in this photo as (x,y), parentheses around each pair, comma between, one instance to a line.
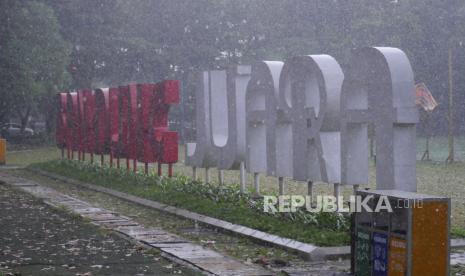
(34,58)
(118,41)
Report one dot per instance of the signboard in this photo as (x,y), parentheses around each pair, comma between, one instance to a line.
(380,252)
(124,117)
(145,95)
(101,121)
(308,120)
(220,119)
(309,105)
(89,110)
(363,256)
(72,140)
(397,257)
(164,142)
(130,121)
(261,115)
(114,117)
(378,90)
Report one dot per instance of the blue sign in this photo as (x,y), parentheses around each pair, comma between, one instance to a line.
(380,252)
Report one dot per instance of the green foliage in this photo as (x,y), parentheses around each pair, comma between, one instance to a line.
(458,232)
(225,203)
(33,55)
(116,42)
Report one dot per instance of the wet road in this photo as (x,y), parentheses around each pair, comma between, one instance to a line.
(36,239)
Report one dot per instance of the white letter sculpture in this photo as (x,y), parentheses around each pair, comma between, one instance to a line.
(200,154)
(261,109)
(298,123)
(227,96)
(220,122)
(310,88)
(378,89)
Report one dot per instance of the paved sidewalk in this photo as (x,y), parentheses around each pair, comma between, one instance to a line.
(184,251)
(313,268)
(38,240)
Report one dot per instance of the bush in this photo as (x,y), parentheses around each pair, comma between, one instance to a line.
(222,202)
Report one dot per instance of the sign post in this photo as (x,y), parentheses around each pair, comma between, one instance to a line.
(2,151)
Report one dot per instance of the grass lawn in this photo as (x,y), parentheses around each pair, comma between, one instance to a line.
(26,157)
(433,178)
(438,147)
(324,229)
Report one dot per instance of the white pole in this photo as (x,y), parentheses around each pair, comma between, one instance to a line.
(220,177)
(207,176)
(256,183)
(242,177)
(281,185)
(194,173)
(337,192)
(310,190)
(356,187)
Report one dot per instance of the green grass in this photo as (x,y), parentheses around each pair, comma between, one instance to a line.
(438,147)
(434,178)
(324,229)
(26,157)
(458,232)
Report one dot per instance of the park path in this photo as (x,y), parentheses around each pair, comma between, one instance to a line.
(38,240)
(174,245)
(206,260)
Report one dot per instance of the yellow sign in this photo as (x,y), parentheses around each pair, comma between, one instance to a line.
(397,257)
(2,151)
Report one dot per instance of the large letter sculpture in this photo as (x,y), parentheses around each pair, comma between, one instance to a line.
(114,117)
(285,120)
(124,117)
(227,98)
(261,114)
(133,125)
(130,121)
(101,121)
(310,88)
(163,141)
(73,132)
(200,154)
(89,114)
(220,122)
(145,94)
(129,130)
(378,89)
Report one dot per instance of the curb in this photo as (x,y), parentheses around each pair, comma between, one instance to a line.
(457,243)
(314,254)
(305,250)
(170,246)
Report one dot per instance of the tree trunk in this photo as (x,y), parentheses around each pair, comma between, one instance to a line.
(50,118)
(450,116)
(24,118)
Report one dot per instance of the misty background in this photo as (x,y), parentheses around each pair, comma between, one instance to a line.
(48,46)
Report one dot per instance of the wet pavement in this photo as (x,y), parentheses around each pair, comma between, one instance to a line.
(36,239)
(10,200)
